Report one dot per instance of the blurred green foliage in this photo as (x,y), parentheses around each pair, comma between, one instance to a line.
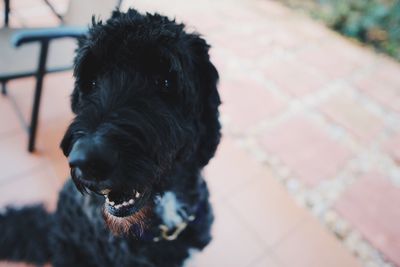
(375,22)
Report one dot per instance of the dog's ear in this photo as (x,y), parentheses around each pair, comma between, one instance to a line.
(81,62)
(130,13)
(209,126)
(86,66)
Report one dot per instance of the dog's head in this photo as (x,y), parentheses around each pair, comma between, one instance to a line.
(146,104)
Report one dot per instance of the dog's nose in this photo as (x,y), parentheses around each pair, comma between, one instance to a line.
(91,159)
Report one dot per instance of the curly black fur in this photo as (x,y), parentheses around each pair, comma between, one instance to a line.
(145,96)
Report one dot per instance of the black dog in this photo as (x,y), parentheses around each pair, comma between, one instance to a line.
(146,123)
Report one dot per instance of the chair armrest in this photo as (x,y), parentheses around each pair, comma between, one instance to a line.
(40,35)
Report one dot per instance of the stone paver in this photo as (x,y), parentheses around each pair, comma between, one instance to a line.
(266,261)
(334,61)
(228,154)
(349,112)
(371,205)
(22,91)
(300,248)
(233,243)
(382,84)
(392,146)
(239,104)
(40,186)
(297,79)
(15,147)
(8,117)
(280,215)
(306,149)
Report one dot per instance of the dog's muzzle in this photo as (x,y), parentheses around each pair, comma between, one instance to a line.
(91,160)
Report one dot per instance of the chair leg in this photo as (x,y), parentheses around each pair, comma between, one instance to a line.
(38,92)
(6,12)
(34,116)
(4,88)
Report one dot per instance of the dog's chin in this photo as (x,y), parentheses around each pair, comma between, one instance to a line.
(132,224)
(127,212)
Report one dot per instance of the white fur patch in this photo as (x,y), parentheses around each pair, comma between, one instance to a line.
(168,208)
(3,210)
(191,261)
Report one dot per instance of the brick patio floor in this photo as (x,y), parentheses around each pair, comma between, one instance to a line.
(308,171)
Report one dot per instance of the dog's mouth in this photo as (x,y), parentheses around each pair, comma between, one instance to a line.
(118,202)
(126,209)
(124,203)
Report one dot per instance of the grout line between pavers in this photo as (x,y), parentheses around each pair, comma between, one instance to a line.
(377,257)
(271,255)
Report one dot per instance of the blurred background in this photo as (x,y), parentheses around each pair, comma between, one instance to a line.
(308,171)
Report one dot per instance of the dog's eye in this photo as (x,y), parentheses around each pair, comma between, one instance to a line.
(163,84)
(93,84)
(166,83)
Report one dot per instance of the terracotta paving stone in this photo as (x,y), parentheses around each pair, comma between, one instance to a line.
(14,157)
(332,60)
(55,101)
(266,261)
(49,137)
(33,13)
(31,188)
(267,208)
(15,264)
(383,86)
(9,120)
(312,246)
(307,30)
(349,112)
(371,205)
(223,180)
(281,40)
(217,59)
(240,99)
(39,19)
(60,169)
(245,49)
(25,4)
(233,244)
(294,77)
(56,98)
(387,70)
(393,147)
(48,144)
(272,8)
(305,148)
(22,90)
(256,43)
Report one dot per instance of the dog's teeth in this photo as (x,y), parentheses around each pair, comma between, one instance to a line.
(125,203)
(112,203)
(118,206)
(137,195)
(131,201)
(107,201)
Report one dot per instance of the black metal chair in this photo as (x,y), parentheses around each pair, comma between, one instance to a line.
(36,51)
